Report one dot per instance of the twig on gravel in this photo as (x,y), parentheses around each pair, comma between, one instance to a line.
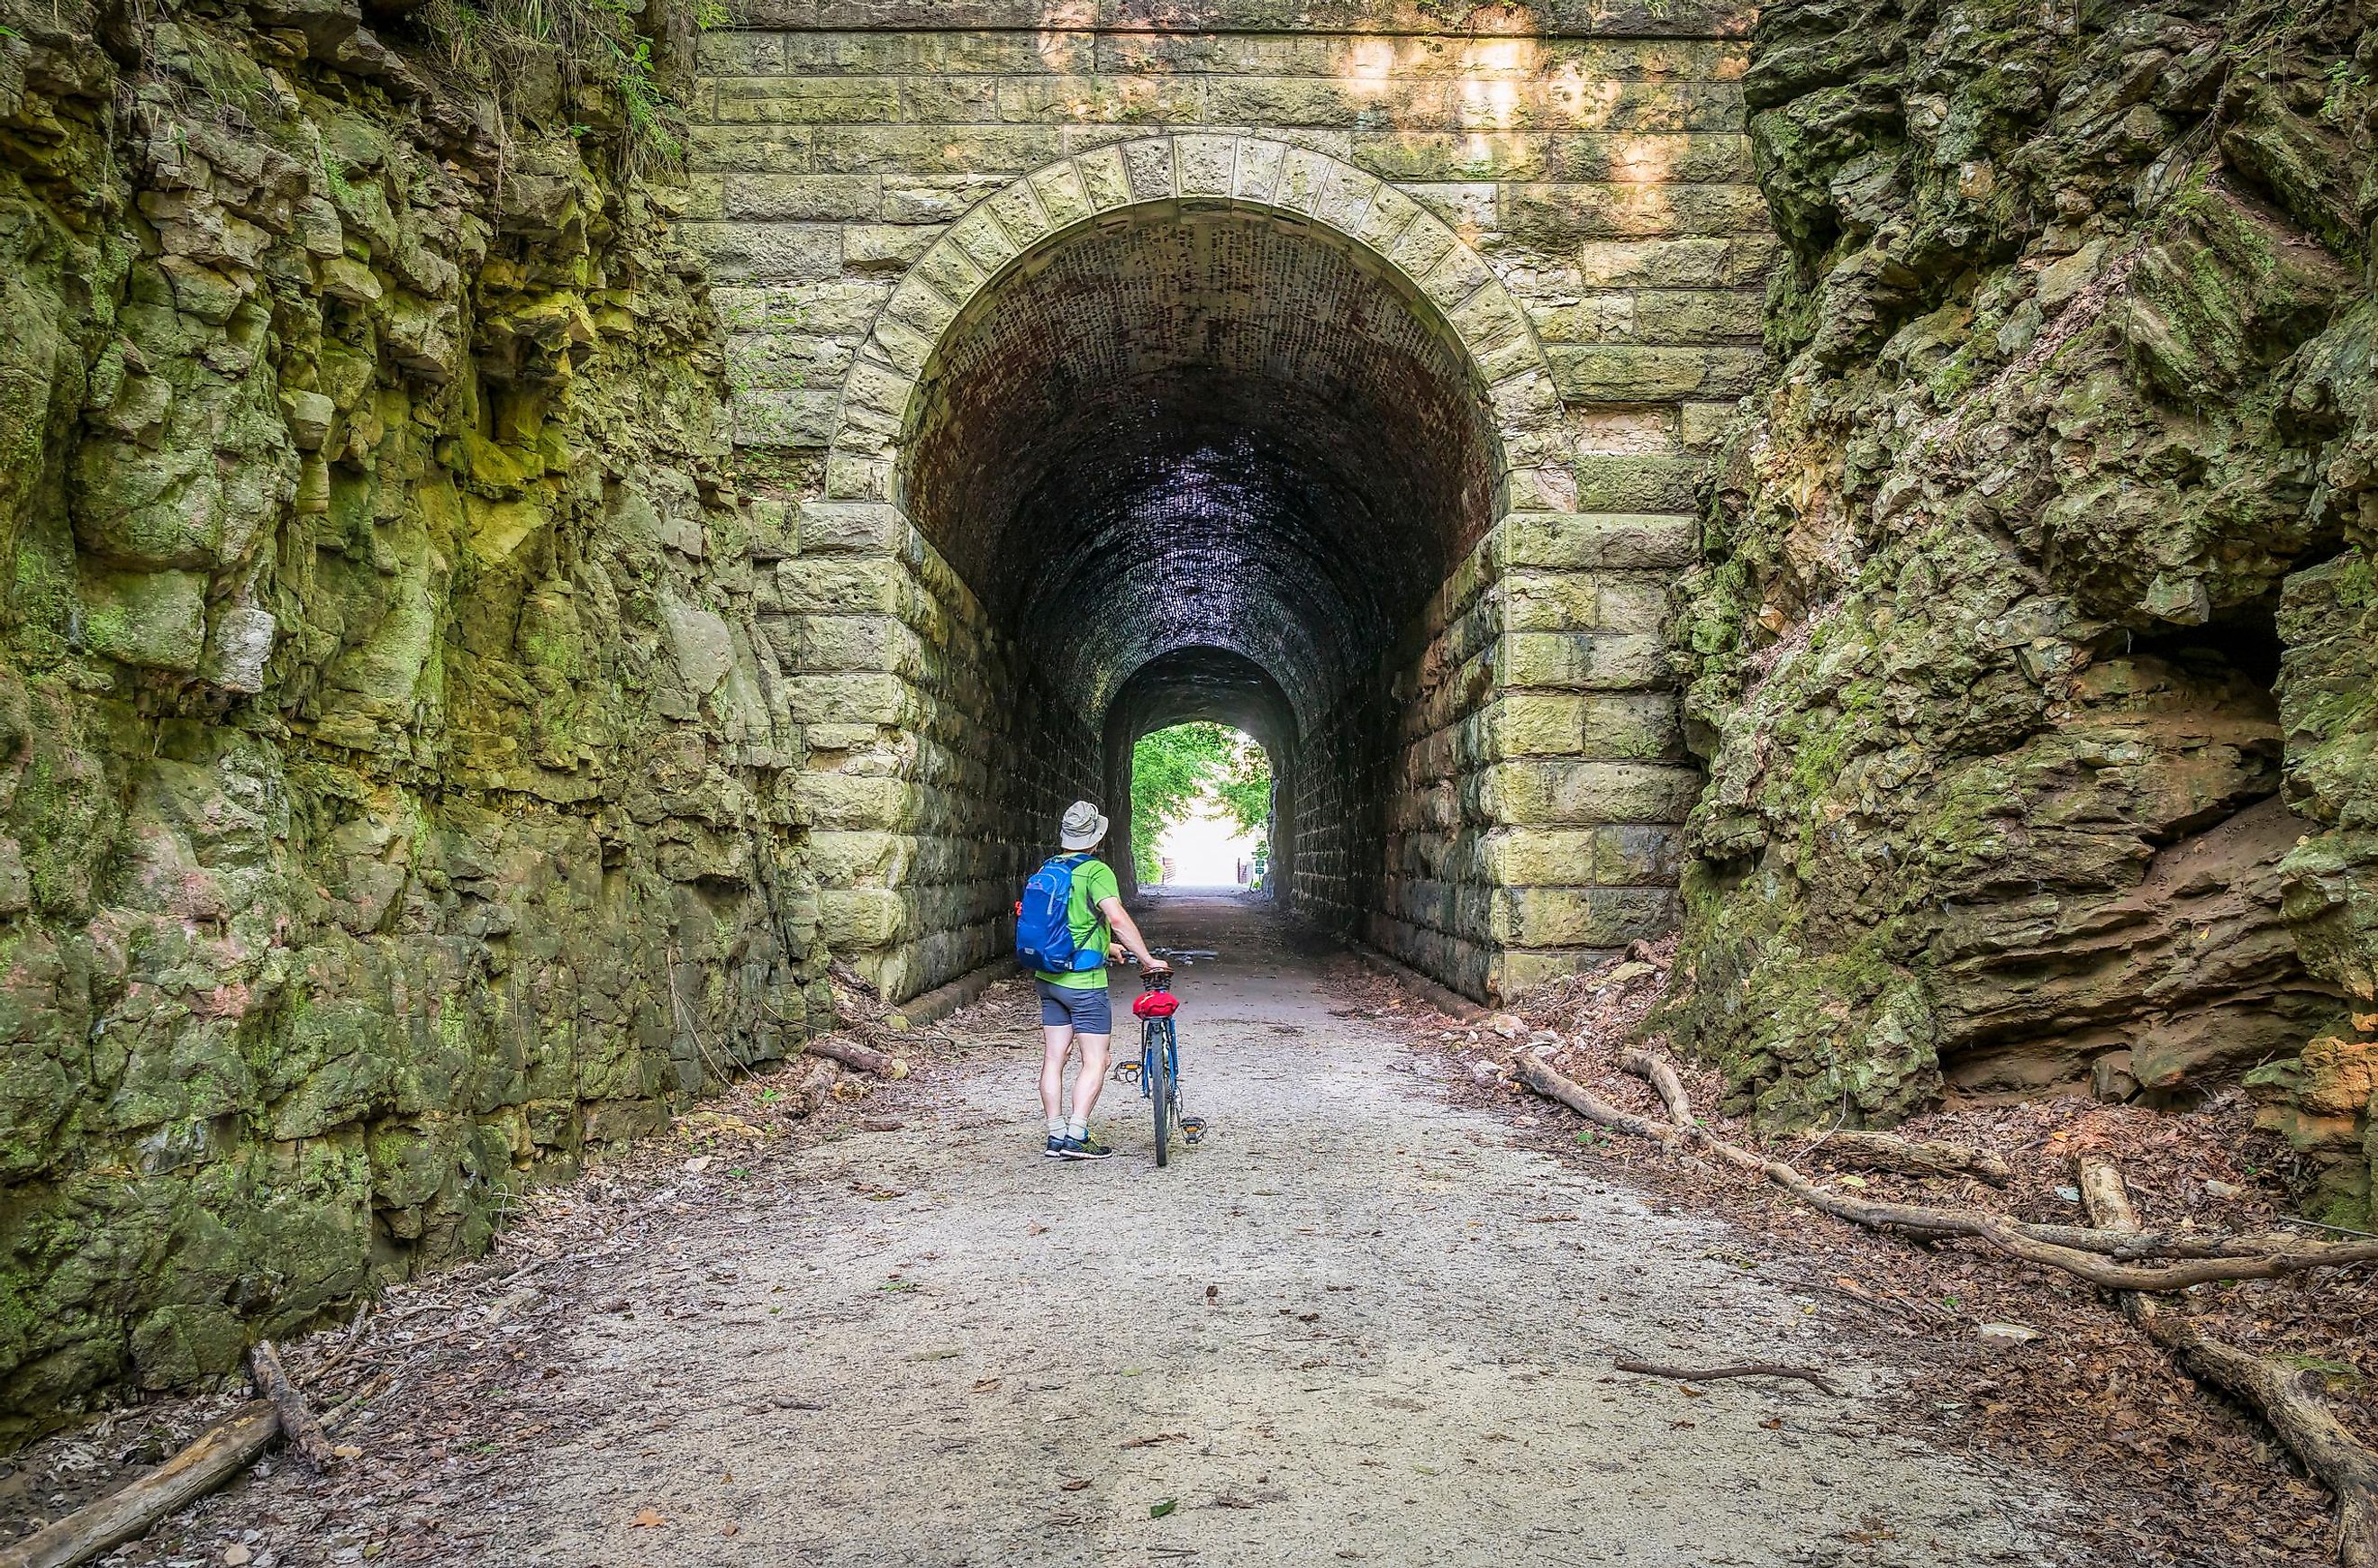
(1907,1306)
(1746,1369)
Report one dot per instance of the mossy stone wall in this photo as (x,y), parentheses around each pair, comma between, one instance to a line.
(394,782)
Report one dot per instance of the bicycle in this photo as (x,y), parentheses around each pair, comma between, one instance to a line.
(1159,1068)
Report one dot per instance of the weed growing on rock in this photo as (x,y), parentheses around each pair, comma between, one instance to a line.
(522,51)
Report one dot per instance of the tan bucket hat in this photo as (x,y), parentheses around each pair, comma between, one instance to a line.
(1083,826)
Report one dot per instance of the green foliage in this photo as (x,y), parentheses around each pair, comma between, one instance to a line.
(1245,787)
(1171,768)
(496,44)
(2345,80)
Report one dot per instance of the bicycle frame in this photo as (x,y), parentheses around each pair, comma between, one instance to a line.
(1159,1065)
(1155,1034)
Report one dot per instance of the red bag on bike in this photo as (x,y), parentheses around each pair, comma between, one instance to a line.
(1155,1004)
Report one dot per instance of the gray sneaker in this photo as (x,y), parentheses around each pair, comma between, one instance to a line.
(1086,1148)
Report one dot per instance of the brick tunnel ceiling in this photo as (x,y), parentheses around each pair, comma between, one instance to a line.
(1208,430)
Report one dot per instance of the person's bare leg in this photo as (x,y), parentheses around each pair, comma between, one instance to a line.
(1091,1079)
(1057,1044)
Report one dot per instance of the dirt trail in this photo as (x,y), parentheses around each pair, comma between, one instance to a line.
(1404,1358)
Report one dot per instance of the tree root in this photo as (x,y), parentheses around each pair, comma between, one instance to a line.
(2279,1393)
(214,1457)
(2098,1255)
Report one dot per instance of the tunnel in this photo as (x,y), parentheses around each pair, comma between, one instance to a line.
(1202,465)
(1223,686)
(1219,427)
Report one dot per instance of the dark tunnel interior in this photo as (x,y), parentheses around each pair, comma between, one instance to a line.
(1206,464)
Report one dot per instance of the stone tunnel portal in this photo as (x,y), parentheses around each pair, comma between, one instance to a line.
(1218,426)
(1206,464)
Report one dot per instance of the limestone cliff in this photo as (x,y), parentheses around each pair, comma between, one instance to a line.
(391,792)
(2032,658)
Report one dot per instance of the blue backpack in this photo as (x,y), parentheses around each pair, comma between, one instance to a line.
(1044,931)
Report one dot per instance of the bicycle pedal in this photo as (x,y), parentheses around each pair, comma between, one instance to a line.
(1193,1128)
(1126,1072)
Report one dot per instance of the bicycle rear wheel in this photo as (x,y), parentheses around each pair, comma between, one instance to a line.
(1157,1071)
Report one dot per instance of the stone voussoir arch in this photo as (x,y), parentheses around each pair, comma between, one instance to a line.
(1420,251)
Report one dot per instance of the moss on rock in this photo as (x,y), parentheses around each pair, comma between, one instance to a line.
(337,898)
(2020,657)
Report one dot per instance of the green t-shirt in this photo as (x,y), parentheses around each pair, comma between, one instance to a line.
(1093,881)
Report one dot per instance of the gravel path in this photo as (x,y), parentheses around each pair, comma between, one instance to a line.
(1356,1324)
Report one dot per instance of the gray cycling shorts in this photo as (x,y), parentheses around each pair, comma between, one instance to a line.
(1084,1007)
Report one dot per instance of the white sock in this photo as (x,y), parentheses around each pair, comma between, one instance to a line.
(1077,1127)
(1056,1127)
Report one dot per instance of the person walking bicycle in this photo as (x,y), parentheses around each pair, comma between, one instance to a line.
(1069,924)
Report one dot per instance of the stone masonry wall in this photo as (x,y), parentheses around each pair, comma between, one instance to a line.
(1591,160)
(934,763)
(395,798)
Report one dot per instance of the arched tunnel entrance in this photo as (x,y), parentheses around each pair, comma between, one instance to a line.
(1205,464)
(1226,687)
(1210,427)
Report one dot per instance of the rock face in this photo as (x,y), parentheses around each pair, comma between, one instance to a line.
(2032,656)
(391,792)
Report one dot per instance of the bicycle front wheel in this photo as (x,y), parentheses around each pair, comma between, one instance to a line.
(1159,1075)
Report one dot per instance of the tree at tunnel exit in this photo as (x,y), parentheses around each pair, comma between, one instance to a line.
(1171,768)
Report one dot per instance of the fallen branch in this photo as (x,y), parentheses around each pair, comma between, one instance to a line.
(2179,1276)
(851,1053)
(214,1457)
(220,1453)
(2301,1419)
(1748,1370)
(297,1422)
(2078,1250)
(2303,1423)
(2277,1391)
(1553,1086)
(1662,1075)
(1880,1151)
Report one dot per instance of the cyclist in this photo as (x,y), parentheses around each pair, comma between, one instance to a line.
(1074,1010)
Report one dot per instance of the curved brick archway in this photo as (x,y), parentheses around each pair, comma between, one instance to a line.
(1296,185)
(1186,458)
(1569,201)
